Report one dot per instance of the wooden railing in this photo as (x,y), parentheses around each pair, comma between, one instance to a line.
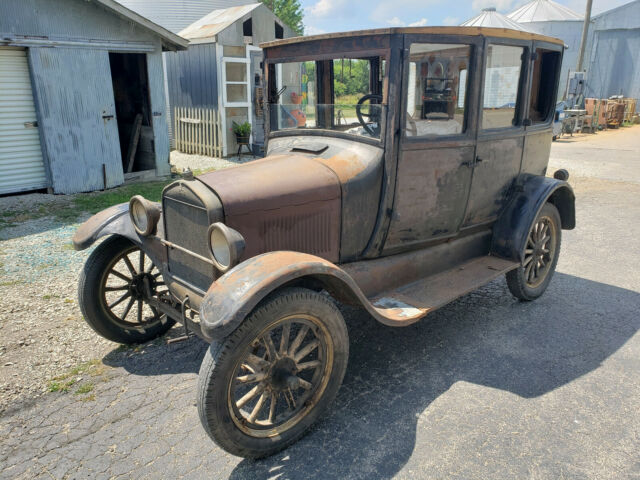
(198,131)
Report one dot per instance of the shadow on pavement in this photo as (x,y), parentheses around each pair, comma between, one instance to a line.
(486,338)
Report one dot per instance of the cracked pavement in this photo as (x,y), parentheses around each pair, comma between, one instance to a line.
(486,387)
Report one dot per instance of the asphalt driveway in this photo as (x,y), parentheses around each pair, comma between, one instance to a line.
(487,387)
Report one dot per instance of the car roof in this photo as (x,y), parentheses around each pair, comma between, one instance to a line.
(469,31)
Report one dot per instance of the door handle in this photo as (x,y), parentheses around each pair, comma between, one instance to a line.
(478,160)
(107,117)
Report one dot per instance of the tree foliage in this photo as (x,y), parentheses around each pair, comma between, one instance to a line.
(289,11)
(350,77)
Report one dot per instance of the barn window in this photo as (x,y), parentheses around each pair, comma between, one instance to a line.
(279,30)
(247,28)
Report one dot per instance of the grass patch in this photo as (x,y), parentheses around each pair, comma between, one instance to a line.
(85,202)
(10,283)
(92,367)
(63,387)
(84,388)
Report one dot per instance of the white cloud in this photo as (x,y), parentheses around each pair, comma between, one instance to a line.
(324,8)
(500,5)
(387,11)
(450,21)
(420,23)
(395,22)
(308,30)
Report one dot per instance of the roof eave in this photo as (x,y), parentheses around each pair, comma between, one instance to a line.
(170,41)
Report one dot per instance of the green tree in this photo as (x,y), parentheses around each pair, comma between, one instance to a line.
(289,11)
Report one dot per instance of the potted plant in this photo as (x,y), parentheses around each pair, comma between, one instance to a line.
(242,131)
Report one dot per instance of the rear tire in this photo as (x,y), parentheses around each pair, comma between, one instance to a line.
(531,279)
(96,297)
(260,389)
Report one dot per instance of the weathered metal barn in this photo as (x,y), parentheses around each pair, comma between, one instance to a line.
(221,68)
(554,20)
(82,102)
(613,53)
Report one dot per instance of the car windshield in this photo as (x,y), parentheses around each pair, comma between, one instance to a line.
(349,100)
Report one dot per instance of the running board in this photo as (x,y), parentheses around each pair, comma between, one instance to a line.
(409,303)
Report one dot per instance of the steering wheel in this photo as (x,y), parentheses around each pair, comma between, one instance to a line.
(373,116)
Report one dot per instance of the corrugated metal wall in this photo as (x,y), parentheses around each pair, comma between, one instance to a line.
(192,76)
(175,15)
(73,87)
(74,92)
(613,55)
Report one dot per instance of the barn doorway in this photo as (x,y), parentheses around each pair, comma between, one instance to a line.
(133,111)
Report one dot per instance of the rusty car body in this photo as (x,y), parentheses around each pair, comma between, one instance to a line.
(437,186)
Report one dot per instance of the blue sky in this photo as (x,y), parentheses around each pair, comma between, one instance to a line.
(342,15)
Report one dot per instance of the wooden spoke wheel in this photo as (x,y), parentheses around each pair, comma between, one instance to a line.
(262,387)
(540,256)
(115,283)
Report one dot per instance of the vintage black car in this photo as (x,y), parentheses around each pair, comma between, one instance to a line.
(413,172)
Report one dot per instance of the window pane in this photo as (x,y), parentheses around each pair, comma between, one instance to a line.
(502,78)
(236,72)
(237,93)
(436,97)
(545,76)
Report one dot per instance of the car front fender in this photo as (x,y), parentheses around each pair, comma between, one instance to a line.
(234,295)
(530,194)
(112,221)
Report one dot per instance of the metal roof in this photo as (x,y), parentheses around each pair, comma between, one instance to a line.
(471,31)
(215,22)
(544,11)
(170,41)
(490,18)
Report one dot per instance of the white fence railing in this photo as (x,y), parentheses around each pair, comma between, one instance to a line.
(198,131)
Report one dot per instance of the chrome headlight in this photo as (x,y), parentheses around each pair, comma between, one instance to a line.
(225,245)
(144,215)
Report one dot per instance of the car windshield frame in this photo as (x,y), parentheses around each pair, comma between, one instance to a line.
(329,54)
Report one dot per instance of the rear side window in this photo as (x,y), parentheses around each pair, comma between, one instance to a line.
(546,68)
(502,86)
(437,89)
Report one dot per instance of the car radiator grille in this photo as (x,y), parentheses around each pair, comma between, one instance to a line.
(186,225)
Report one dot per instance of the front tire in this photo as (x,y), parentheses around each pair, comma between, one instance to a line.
(531,279)
(261,388)
(111,293)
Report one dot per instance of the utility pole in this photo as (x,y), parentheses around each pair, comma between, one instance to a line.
(585,35)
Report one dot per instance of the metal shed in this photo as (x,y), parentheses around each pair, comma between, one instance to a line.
(554,20)
(221,69)
(82,102)
(613,53)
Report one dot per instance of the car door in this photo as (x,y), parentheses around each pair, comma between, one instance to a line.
(437,139)
(501,130)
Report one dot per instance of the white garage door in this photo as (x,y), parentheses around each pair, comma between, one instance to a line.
(21,165)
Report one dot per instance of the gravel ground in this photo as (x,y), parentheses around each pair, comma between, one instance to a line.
(42,333)
(183,161)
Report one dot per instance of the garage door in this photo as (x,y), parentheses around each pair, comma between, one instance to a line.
(21,164)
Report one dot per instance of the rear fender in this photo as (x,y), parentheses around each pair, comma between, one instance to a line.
(530,194)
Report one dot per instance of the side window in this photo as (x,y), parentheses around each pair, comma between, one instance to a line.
(437,86)
(501,86)
(546,68)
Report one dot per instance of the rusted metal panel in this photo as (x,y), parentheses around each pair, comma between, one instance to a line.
(283,202)
(495,170)
(359,168)
(431,195)
(537,148)
(77,116)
